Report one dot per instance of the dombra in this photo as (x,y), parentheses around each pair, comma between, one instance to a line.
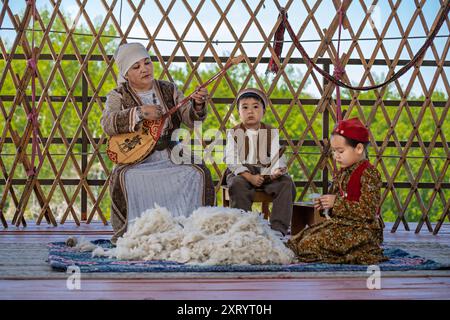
(129,148)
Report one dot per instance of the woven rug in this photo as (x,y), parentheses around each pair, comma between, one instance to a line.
(61,257)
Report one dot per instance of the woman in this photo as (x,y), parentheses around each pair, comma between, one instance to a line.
(156,179)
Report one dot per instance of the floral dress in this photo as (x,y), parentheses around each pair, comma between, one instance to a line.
(354,233)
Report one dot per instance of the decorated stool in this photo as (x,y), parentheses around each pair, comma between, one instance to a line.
(260,196)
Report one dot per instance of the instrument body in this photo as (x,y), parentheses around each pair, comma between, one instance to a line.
(128,148)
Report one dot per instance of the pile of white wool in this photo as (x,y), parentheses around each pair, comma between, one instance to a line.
(210,236)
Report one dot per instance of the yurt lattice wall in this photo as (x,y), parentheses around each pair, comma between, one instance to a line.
(190,40)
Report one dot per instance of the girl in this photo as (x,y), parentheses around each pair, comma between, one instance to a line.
(353,235)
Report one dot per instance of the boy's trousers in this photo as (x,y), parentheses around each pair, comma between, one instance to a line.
(282,191)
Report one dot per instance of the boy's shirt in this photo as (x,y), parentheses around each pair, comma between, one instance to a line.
(252,157)
(238,158)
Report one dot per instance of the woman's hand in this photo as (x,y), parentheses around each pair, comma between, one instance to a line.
(151,111)
(325,202)
(200,97)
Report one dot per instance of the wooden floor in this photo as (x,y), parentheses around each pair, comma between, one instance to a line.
(278,286)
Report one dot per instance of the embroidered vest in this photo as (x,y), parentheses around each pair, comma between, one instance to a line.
(130,100)
(354,183)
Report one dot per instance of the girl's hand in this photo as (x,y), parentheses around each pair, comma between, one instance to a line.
(325,202)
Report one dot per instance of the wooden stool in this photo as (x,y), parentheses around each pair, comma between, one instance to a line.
(260,196)
(303,213)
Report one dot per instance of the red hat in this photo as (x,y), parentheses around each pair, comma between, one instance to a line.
(353,129)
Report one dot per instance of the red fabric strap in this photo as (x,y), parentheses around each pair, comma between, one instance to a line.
(277,43)
(36,150)
(419,55)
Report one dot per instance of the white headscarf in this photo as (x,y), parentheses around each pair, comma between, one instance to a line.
(128,54)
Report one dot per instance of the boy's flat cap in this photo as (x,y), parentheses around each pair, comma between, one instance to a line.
(252,91)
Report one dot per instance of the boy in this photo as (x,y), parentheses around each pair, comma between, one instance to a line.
(252,157)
